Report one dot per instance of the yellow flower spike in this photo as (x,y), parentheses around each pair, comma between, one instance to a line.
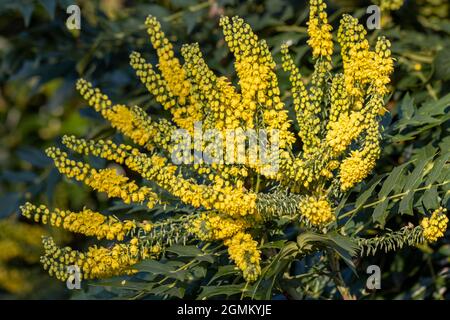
(363,69)
(360,163)
(243,250)
(257,79)
(317,210)
(103,180)
(319,31)
(86,222)
(153,81)
(343,131)
(234,201)
(169,65)
(435,226)
(133,122)
(97,262)
(212,226)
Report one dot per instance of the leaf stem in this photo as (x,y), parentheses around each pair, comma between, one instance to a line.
(337,277)
(193,8)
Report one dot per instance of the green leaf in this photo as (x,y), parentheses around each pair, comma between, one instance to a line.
(10,203)
(26,8)
(363,197)
(224,271)
(185,251)
(442,63)
(223,290)
(430,198)
(153,266)
(50,6)
(407,107)
(34,156)
(380,213)
(438,165)
(122,284)
(391,182)
(274,244)
(406,204)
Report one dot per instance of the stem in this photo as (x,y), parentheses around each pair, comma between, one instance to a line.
(193,8)
(258,182)
(291,28)
(337,277)
(417,57)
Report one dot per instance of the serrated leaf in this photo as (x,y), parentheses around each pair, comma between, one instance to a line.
(438,165)
(185,251)
(380,213)
(122,284)
(414,179)
(9,203)
(224,271)
(363,197)
(406,204)
(391,181)
(153,266)
(223,290)
(407,107)
(18,176)
(430,198)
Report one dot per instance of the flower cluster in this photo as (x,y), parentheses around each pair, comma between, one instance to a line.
(96,262)
(104,180)
(215,226)
(317,211)
(244,251)
(337,113)
(434,227)
(86,222)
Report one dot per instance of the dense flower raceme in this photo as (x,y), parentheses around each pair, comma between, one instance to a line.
(338,141)
(435,226)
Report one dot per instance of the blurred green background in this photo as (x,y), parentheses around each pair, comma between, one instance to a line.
(40,60)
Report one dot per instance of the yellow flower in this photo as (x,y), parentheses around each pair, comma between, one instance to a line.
(435,226)
(87,222)
(244,252)
(319,31)
(317,210)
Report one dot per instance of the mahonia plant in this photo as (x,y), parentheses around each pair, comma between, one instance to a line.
(337,109)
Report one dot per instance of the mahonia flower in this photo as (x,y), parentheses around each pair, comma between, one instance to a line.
(96,262)
(244,251)
(319,30)
(435,226)
(215,226)
(86,222)
(337,113)
(318,211)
